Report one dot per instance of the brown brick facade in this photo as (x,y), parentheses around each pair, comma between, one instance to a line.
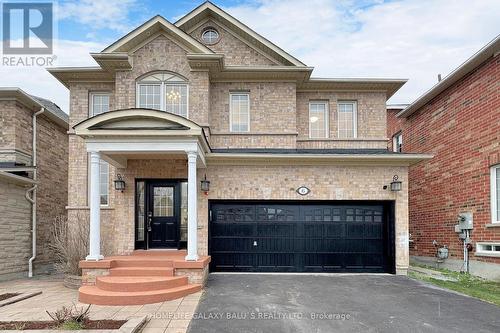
(278,119)
(236,51)
(461,128)
(52,164)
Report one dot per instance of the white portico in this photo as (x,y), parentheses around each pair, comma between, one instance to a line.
(118,135)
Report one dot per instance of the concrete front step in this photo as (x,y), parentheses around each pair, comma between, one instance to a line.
(139,283)
(143,262)
(165,253)
(141,271)
(94,295)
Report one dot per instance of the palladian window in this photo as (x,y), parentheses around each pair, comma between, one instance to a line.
(163,91)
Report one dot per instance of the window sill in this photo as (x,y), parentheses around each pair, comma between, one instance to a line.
(493,225)
(340,139)
(251,133)
(87,208)
(484,254)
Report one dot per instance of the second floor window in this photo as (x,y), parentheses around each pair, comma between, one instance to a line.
(397,143)
(239,112)
(318,120)
(163,91)
(99,103)
(347,122)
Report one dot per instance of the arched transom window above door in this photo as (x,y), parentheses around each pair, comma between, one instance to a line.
(163,91)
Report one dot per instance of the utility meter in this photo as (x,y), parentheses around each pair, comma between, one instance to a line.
(442,253)
(465,221)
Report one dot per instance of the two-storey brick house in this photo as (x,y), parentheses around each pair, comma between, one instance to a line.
(33,180)
(458,121)
(298,167)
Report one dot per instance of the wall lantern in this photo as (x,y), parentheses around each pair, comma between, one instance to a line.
(119,183)
(205,185)
(396,185)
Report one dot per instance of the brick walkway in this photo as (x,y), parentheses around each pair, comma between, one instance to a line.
(167,317)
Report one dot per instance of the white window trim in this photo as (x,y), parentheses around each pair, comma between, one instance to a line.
(327,119)
(88,183)
(493,194)
(395,145)
(354,118)
(91,100)
(481,253)
(231,111)
(163,92)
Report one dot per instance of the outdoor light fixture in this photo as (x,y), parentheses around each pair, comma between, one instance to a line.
(205,185)
(396,184)
(119,183)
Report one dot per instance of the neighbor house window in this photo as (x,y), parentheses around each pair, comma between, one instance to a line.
(488,249)
(495,193)
(239,112)
(99,103)
(347,122)
(318,120)
(163,91)
(397,143)
(104,185)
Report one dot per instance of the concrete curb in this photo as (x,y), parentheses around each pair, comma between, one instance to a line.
(133,325)
(431,273)
(18,298)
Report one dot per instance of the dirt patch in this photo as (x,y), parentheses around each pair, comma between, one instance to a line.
(8,295)
(43,325)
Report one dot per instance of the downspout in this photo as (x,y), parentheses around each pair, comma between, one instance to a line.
(32,199)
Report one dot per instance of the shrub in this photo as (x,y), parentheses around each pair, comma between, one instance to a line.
(70,243)
(70,316)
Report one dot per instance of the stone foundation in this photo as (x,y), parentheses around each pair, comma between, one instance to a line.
(195,275)
(89,275)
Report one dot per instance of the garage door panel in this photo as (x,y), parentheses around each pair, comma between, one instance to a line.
(232,229)
(374,246)
(355,231)
(326,262)
(277,213)
(276,229)
(275,260)
(299,237)
(335,230)
(274,244)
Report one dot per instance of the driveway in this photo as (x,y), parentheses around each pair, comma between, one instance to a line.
(336,303)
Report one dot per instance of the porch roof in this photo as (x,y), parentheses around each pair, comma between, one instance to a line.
(118,134)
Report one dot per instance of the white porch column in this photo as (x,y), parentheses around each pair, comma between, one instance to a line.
(192,239)
(95,208)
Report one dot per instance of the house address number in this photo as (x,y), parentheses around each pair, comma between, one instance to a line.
(303,190)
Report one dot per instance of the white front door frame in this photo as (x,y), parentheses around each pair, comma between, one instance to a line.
(114,151)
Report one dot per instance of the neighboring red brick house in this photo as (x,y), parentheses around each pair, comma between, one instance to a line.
(458,121)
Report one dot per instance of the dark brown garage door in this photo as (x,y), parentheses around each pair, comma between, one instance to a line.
(301,236)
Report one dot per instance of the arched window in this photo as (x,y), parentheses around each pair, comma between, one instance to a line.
(163,91)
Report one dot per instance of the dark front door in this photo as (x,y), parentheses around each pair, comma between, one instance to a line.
(302,236)
(163,214)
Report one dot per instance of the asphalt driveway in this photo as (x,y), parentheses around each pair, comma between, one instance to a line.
(345,303)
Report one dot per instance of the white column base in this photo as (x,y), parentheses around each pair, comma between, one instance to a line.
(191,257)
(94,258)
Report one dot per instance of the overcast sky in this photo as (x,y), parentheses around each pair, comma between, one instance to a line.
(413,39)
